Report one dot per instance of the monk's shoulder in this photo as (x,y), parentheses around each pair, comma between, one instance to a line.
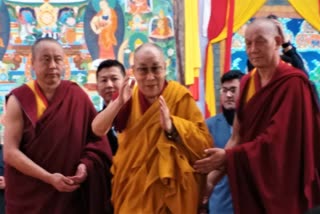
(287,69)
(20,92)
(19,89)
(72,86)
(74,89)
(178,87)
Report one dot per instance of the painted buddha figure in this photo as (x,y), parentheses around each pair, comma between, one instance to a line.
(162,29)
(105,24)
(139,6)
(47,16)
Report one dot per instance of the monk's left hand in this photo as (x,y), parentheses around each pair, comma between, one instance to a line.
(81,174)
(165,120)
(212,179)
(215,159)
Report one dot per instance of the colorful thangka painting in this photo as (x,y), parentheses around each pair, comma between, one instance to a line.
(305,38)
(90,31)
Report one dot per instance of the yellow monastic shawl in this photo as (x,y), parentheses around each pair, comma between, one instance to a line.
(251,86)
(41,101)
(151,173)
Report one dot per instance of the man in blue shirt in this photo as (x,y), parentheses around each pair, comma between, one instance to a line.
(220,127)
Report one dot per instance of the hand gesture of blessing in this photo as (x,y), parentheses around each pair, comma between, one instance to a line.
(165,120)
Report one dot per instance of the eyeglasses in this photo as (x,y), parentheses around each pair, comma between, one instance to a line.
(156,70)
(225,90)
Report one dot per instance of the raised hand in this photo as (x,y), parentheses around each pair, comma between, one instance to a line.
(215,159)
(281,31)
(165,120)
(125,91)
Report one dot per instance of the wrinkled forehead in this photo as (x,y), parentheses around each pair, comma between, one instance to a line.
(261,29)
(148,55)
(48,48)
(252,31)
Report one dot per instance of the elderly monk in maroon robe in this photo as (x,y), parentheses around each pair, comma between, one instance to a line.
(55,164)
(272,159)
(161,133)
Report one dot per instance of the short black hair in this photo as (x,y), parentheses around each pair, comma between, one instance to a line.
(272,16)
(230,75)
(111,63)
(38,41)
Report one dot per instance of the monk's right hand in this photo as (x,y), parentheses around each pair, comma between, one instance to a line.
(214,160)
(62,183)
(125,91)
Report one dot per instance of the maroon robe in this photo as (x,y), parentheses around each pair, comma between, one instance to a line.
(275,169)
(58,141)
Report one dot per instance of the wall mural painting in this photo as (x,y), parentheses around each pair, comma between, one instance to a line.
(305,38)
(90,31)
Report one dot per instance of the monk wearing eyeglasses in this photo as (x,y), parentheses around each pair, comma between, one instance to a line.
(161,132)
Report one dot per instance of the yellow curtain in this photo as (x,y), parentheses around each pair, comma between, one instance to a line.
(309,10)
(243,11)
(192,42)
(210,97)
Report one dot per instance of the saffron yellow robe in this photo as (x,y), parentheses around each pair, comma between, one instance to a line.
(151,173)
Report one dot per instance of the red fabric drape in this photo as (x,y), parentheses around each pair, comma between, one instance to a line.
(227,57)
(194,89)
(216,24)
(217,18)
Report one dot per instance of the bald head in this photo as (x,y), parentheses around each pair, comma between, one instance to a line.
(39,42)
(266,25)
(262,43)
(149,47)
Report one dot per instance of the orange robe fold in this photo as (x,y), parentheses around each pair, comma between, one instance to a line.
(151,173)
